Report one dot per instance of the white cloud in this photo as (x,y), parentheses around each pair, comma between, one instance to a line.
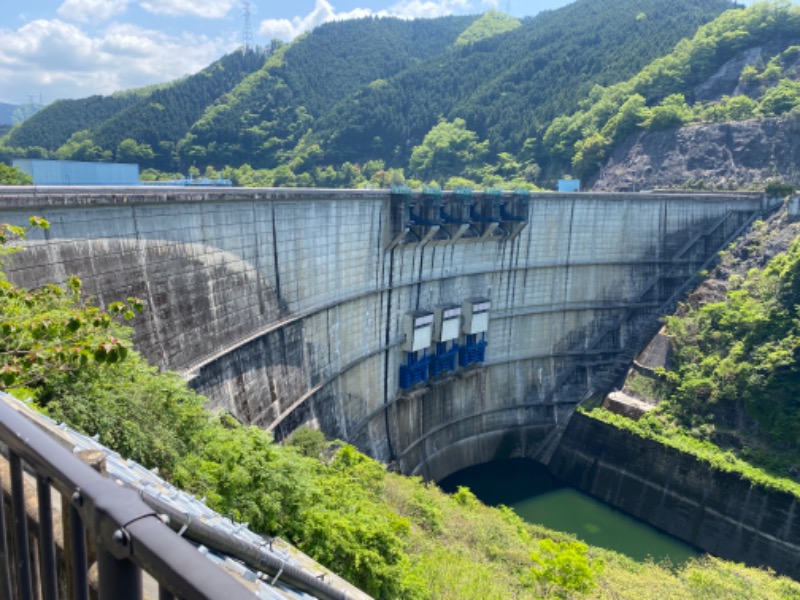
(58,60)
(210,9)
(421,9)
(285,29)
(288,29)
(85,11)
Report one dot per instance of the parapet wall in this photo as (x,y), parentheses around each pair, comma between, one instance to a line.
(286,306)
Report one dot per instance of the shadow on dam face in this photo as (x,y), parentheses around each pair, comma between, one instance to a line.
(286,307)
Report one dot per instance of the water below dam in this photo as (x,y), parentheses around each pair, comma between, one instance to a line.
(538,497)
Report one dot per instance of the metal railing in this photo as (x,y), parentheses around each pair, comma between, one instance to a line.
(125,535)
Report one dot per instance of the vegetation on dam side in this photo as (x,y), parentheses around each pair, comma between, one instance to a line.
(395,537)
(731,394)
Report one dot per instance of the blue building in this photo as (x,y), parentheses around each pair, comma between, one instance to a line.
(569,185)
(68,172)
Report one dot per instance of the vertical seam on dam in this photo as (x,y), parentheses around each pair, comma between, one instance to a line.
(388,334)
(275,256)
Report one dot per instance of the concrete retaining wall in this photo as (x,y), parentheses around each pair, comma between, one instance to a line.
(718,512)
(285,306)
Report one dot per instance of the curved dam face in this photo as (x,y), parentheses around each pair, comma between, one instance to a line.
(287,306)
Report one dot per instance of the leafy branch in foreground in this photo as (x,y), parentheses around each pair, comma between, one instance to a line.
(51,329)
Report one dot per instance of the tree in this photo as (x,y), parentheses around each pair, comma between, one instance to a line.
(738,108)
(671,113)
(81,147)
(590,154)
(129,151)
(449,149)
(780,99)
(563,569)
(13,176)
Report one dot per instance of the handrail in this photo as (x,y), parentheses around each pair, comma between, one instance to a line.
(129,535)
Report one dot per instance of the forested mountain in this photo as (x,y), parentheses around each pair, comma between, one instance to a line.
(265,116)
(155,118)
(508,87)
(742,65)
(50,128)
(350,101)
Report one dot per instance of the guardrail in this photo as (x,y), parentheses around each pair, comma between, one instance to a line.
(127,536)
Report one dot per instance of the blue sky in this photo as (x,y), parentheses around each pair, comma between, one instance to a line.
(53,49)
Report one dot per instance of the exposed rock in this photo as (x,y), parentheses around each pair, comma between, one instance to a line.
(723,156)
(726,80)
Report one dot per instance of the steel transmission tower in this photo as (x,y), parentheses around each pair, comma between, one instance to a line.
(247,33)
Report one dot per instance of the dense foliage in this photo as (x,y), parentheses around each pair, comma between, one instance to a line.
(508,87)
(492,23)
(662,95)
(49,129)
(744,352)
(266,118)
(13,176)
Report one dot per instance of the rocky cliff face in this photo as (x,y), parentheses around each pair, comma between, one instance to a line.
(723,156)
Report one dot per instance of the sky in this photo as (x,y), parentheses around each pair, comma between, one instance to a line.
(52,49)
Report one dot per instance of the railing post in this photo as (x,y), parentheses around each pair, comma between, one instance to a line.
(5,556)
(120,579)
(47,548)
(77,551)
(24,589)
(127,531)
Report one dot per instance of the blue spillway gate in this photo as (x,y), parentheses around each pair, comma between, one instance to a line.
(473,351)
(414,371)
(444,361)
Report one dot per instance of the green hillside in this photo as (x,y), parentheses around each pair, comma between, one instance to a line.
(155,117)
(666,93)
(263,119)
(510,86)
(48,129)
(730,393)
(347,103)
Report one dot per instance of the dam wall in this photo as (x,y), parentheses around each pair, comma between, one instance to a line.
(288,306)
(717,511)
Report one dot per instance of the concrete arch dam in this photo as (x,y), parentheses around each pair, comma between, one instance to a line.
(289,306)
